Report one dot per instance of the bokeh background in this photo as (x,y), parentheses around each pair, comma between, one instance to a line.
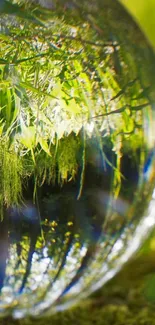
(144,13)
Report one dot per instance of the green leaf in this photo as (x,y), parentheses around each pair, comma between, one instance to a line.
(28,136)
(44,145)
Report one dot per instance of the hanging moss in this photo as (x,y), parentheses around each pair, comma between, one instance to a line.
(46,167)
(60,164)
(11,171)
(67,158)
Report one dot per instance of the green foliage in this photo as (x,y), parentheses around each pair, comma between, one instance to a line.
(46,167)
(64,71)
(11,173)
(144,14)
(67,156)
(62,160)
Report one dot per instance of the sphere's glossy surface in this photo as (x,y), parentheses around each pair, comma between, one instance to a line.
(77,79)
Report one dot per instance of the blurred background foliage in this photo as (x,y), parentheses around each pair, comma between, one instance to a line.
(144,13)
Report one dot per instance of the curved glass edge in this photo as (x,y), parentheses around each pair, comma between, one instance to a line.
(141,233)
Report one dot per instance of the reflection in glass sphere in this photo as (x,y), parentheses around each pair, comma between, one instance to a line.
(76,150)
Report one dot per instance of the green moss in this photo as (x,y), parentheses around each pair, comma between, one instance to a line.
(109,315)
(45,167)
(67,156)
(11,171)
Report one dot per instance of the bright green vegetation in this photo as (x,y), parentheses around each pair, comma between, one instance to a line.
(67,75)
(143,11)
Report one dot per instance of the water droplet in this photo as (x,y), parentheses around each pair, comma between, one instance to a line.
(76,149)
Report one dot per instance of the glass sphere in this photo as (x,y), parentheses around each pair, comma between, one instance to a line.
(77,149)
